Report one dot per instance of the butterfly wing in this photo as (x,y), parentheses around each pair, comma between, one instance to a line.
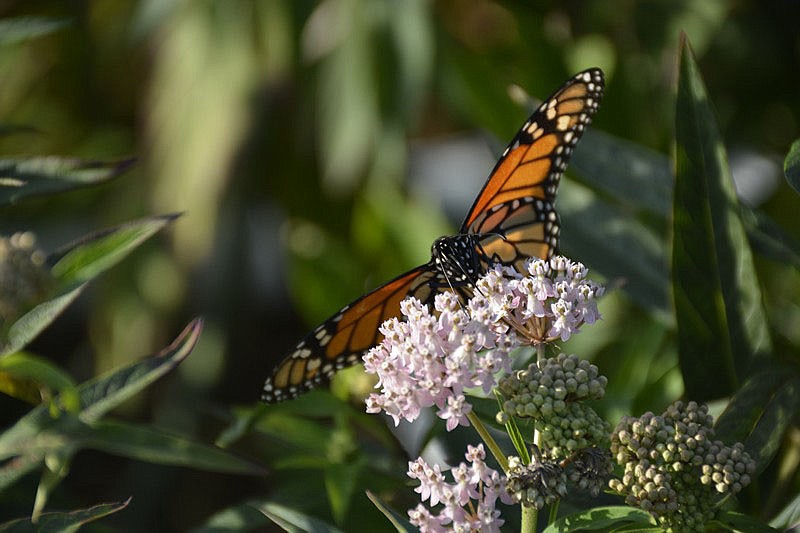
(513,218)
(514,212)
(339,341)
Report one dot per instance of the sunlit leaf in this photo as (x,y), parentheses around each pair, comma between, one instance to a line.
(759,413)
(399,521)
(788,517)
(24,375)
(722,326)
(64,521)
(603,519)
(90,256)
(791,166)
(31,176)
(17,29)
(733,521)
(160,447)
(242,517)
(291,520)
(38,433)
(73,266)
(26,327)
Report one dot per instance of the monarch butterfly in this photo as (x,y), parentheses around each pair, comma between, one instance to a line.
(512,219)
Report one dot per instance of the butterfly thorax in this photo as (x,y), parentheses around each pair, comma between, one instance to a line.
(458,258)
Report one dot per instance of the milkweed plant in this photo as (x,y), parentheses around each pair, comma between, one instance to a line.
(669,466)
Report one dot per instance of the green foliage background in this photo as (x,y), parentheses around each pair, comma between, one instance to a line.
(294,136)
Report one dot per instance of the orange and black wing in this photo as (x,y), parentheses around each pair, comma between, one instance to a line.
(514,213)
(339,341)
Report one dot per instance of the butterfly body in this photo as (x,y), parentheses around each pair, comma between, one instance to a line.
(512,219)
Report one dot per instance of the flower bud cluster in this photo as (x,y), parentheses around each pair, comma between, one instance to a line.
(537,484)
(24,277)
(673,467)
(550,393)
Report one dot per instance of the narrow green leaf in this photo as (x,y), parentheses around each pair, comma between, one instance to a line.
(87,258)
(769,239)
(631,173)
(104,393)
(733,521)
(601,518)
(760,412)
(400,522)
(160,447)
(242,517)
(37,432)
(340,484)
(26,327)
(20,178)
(788,517)
(25,376)
(615,244)
(291,520)
(791,166)
(18,29)
(73,266)
(7,129)
(66,522)
(722,325)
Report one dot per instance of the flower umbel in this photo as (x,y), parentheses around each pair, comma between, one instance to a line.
(468,504)
(429,359)
(551,301)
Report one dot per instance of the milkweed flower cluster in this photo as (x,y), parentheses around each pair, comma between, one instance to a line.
(430,359)
(467,504)
(551,300)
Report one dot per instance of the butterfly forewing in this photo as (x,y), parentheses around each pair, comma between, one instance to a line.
(513,218)
(532,164)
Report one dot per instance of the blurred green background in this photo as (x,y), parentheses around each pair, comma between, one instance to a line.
(316,149)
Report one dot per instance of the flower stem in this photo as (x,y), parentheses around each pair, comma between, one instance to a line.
(498,454)
(530,514)
(529,518)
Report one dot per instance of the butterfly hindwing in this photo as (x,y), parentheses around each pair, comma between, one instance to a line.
(339,341)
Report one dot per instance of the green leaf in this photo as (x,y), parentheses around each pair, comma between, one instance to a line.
(399,521)
(791,166)
(242,517)
(38,433)
(20,178)
(64,522)
(104,393)
(631,173)
(340,483)
(24,376)
(789,516)
(26,327)
(18,29)
(601,518)
(760,412)
(160,447)
(617,245)
(87,258)
(291,520)
(739,522)
(722,326)
(76,264)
